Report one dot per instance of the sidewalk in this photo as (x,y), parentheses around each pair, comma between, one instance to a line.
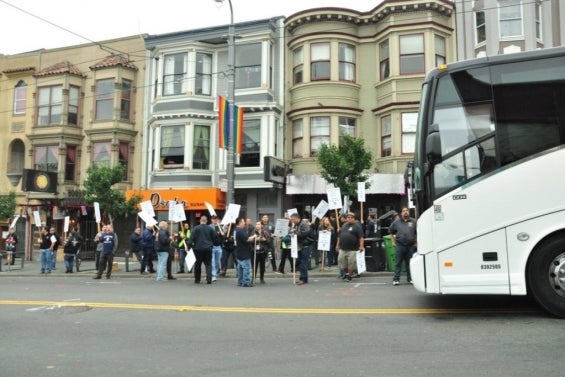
(33,268)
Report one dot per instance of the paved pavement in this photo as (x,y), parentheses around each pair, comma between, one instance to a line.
(131,270)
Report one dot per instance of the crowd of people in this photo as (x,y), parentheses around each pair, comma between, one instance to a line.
(250,246)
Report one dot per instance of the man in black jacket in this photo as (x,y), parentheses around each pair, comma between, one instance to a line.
(202,237)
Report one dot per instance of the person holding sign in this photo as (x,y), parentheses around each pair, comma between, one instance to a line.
(261,238)
(73,243)
(148,246)
(45,251)
(243,253)
(109,247)
(350,241)
(11,241)
(301,229)
(184,236)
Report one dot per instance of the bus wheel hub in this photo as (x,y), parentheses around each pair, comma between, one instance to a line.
(557,274)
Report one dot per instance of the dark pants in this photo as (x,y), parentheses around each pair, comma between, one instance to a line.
(304,262)
(227,250)
(285,254)
(206,257)
(105,260)
(147,261)
(170,263)
(403,254)
(260,259)
(182,260)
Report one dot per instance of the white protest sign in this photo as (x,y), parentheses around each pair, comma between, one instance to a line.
(360,191)
(37,218)
(281,227)
(172,209)
(231,214)
(97,212)
(361,267)
(294,246)
(334,198)
(147,207)
(148,220)
(66,224)
(321,209)
(291,211)
(210,209)
(190,260)
(13,224)
(324,240)
(179,213)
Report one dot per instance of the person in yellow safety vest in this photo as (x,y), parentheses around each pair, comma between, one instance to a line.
(183,247)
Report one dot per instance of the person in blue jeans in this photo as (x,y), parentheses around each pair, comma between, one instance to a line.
(163,248)
(243,253)
(45,252)
(217,249)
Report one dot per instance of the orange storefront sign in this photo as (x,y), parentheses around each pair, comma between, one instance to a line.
(192,199)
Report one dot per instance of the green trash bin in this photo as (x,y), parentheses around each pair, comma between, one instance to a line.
(391,254)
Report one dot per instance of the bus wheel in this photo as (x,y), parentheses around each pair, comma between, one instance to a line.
(546,276)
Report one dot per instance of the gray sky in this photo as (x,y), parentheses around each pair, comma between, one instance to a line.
(58,23)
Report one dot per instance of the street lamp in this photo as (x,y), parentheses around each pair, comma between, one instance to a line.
(230,167)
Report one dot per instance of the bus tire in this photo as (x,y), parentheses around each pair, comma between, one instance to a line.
(546,276)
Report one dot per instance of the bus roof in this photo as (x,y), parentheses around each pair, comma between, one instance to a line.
(496,59)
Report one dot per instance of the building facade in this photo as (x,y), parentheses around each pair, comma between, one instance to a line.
(492,27)
(360,73)
(62,110)
(186,73)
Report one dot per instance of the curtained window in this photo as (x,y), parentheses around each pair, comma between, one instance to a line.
(172,146)
(46,158)
(101,153)
(124,158)
(319,133)
(251,151)
(201,148)
(104,99)
(203,85)
(70,163)
(297,137)
(125,100)
(20,98)
(346,62)
(174,76)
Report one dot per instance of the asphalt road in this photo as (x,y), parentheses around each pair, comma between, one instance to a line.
(74,326)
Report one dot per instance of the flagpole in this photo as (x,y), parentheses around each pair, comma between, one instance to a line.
(230,163)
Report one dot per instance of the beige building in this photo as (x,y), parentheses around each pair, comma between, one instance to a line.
(62,110)
(360,73)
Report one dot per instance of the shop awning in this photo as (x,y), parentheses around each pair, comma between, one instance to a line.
(192,198)
(315,184)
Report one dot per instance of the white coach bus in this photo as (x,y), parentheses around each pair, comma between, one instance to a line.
(489,178)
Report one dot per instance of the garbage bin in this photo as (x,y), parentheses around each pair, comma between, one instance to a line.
(370,255)
(391,254)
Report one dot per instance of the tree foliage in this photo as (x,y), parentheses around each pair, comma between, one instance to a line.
(7,205)
(343,165)
(98,188)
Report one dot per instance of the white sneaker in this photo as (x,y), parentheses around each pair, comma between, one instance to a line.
(214,278)
(395,282)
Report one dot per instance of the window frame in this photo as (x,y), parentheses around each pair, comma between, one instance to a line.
(384,61)
(386,136)
(105,91)
(346,65)
(252,156)
(505,11)
(324,62)
(126,93)
(411,55)
(248,73)
(175,73)
(440,53)
(20,98)
(49,105)
(297,138)
(205,165)
(408,122)
(203,79)
(176,161)
(319,138)
(103,146)
(480,28)
(70,166)
(298,65)
(49,150)
(123,158)
(346,124)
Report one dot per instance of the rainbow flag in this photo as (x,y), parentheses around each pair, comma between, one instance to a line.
(224,131)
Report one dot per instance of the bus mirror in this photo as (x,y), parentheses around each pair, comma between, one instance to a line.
(433,145)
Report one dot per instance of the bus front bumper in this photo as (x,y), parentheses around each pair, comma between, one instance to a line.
(418,272)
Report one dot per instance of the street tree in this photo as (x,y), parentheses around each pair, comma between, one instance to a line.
(7,205)
(98,188)
(343,165)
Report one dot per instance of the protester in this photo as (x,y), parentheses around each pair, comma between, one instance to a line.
(285,251)
(45,251)
(148,246)
(70,249)
(55,243)
(183,237)
(228,248)
(202,239)
(271,250)
(11,241)
(163,249)
(326,227)
(109,247)
(403,237)
(99,246)
(135,243)
(261,239)
(217,249)
(350,241)
(302,231)
(243,253)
